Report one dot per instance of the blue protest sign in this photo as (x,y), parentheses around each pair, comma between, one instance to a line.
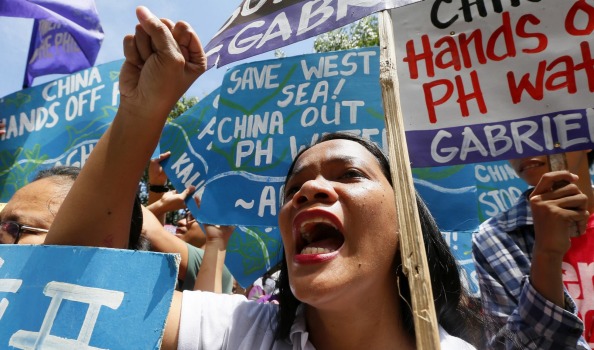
(79,297)
(498,188)
(461,197)
(236,144)
(450,195)
(57,123)
(251,250)
(267,111)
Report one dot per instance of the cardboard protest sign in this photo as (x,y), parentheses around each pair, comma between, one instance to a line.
(473,192)
(461,197)
(251,250)
(236,144)
(482,83)
(268,111)
(57,123)
(55,297)
(259,26)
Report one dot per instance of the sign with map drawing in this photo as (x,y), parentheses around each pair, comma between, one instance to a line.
(54,297)
(251,250)
(460,197)
(237,143)
(56,123)
(264,114)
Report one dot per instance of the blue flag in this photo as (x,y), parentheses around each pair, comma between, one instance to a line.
(66,35)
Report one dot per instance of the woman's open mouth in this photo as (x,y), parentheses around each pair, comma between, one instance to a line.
(317,234)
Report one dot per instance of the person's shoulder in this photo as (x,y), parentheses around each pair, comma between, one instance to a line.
(449,342)
(194,250)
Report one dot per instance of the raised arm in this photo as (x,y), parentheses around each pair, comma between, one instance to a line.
(162,61)
(163,241)
(210,277)
(557,214)
(157,182)
(520,304)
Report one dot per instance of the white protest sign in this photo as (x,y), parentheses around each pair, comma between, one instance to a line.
(491,80)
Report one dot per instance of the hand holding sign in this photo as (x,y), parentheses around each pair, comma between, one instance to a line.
(557,212)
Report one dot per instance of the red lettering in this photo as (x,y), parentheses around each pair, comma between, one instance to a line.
(566,75)
(466,50)
(412,58)
(477,95)
(463,97)
(475,37)
(587,64)
(505,32)
(450,51)
(430,102)
(542,39)
(580,5)
(535,91)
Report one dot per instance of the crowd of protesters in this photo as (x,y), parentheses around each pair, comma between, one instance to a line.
(340,283)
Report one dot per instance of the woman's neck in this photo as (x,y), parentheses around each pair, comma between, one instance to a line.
(373,322)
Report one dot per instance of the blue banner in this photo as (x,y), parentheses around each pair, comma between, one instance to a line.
(252,250)
(57,123)
(461,197)
(83,298)
(266,112)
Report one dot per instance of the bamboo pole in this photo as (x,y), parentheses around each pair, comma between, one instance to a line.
(412,248)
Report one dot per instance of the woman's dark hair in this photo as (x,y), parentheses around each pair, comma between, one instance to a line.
(457,312)
(136,241)
(70,173)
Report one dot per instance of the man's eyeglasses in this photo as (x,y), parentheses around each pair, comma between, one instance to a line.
(187,215)
(16,230)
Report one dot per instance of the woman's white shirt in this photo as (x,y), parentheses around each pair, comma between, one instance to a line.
(223,321)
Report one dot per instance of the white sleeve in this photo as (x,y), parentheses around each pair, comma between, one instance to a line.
(449,342)
(224,321)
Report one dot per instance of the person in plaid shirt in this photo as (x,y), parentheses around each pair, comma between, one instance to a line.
(529,264)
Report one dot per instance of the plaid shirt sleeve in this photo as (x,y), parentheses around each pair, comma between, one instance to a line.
(520,318)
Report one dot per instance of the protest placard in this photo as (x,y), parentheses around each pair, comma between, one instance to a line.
(259,26)
(56,123)
(251,250)
(266,112)
(482,83)
(461,197)
(236,144)
(55,297)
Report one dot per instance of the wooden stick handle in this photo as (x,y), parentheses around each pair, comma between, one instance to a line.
(412,248)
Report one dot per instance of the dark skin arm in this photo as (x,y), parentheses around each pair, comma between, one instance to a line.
(162,61)
(557,214)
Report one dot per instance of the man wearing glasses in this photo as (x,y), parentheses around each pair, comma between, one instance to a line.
(27,216)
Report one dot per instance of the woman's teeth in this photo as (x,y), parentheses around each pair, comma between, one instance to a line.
(315,250)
